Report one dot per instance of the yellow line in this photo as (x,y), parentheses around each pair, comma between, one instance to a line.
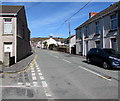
(31,65)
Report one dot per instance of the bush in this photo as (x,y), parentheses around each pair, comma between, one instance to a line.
(51,46)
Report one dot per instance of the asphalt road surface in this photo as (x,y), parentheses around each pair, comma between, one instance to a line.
(56,75)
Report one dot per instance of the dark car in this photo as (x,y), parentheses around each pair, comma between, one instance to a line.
(106,57)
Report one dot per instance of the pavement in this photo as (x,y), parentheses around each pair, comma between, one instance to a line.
(19,66)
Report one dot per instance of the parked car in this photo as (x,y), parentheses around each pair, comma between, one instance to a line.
(106,57)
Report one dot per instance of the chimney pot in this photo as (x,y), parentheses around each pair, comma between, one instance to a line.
(91,14)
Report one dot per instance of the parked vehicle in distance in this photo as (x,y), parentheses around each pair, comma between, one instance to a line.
(106,57)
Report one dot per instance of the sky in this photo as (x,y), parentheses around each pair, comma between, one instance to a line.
(46,18)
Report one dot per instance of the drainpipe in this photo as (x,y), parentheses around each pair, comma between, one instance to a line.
(83,43)
(103,33)
(15,39)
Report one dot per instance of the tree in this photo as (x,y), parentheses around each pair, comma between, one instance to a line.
(51,46)
(45,44)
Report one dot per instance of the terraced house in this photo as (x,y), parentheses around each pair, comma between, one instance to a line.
(14,32)
(99,31)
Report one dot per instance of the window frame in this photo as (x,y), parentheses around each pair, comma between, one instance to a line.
(112,20)
(97,27)
(9,22)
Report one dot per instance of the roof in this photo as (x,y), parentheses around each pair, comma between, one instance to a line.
(71,37)
(111,7)
(10,8)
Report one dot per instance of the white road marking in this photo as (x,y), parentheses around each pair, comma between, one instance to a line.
(40,74)
(20,83)
(56,56)
(38,70)
(28,84)
(44,84)
(34,78)
(95,73)
(36,64)
(33,74)
(41,77)
(66,61)
(32,71)
(17,86)
(35,84)
(48,95)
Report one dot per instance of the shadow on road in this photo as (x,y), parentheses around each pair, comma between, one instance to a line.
(95,64)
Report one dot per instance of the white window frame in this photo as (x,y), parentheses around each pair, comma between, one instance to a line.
(86,31)
(111,21)
(7,23)
(97,27)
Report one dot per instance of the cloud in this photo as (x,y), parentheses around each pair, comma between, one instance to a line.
(53,19)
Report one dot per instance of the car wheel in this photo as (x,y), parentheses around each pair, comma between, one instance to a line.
(88,60)
(105,65)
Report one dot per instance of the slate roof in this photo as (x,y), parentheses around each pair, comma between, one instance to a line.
(10,8)
(111,7)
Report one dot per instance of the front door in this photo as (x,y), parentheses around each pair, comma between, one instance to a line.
(8,48)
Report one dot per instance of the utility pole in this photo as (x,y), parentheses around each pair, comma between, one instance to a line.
(69,36)
(119,26)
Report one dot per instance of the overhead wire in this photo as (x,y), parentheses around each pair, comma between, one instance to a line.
(73,15)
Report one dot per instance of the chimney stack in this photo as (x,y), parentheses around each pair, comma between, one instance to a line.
(51,37)
(91,14)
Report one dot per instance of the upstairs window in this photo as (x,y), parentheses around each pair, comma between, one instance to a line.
(86,31)
(8,26)
(113,22)
(97,27)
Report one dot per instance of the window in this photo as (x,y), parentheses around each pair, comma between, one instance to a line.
(97,27)
(114,22)
(86,31)
(97,44)
(79,34)
(7,26)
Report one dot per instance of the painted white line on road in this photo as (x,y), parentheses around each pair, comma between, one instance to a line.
(20,83)
(33,74)
(36,64)
(16,86)
(41,77)
(56,56)
(32,71)
(28,84)
(35,84)
(40,74)
(44,84)
(34,78)
(38,70)
(66,61)
(48,95)
(95,73)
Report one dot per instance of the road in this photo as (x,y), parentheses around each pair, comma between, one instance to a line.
(56,75)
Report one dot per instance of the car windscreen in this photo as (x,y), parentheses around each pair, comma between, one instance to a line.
(112,52)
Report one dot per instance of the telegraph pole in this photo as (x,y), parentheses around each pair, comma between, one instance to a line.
(69,36)
(119,26)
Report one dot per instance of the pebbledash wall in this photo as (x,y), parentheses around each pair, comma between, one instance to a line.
(14,33)
(99,31)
